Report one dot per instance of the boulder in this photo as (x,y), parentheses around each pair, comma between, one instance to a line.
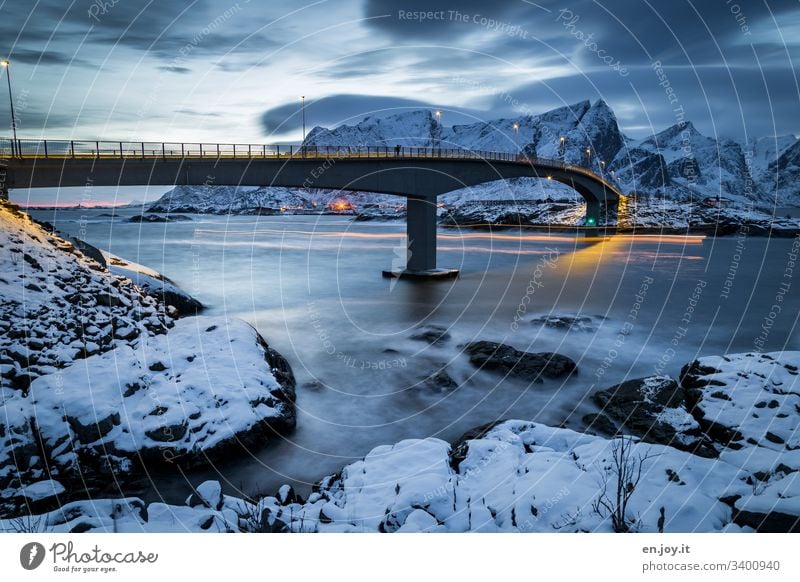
(524,365)
(653,409)
(746,399)
(432,334)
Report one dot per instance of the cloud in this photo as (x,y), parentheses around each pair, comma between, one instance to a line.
(175,69)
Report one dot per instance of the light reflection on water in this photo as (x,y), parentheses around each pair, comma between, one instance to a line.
(305,281)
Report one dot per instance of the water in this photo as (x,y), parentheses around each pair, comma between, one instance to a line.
(313,287)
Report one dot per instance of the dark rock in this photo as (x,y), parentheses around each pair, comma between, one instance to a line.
(286,495)
(441,380)
(653,408)
(524,365)
(269,522)
(158,218)
(772,522)
(88,433)
(565,322)
(432,334)
(600,424)
(460,447)
(169,433)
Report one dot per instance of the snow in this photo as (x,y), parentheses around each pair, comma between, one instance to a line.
(59,305)
(153,283)
(519,476)
(42,490)
(756,395)
(99,378)
(173,398)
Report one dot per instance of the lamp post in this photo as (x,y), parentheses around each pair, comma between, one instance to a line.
(516,128)
(562,149)
(303,113)
(7,66)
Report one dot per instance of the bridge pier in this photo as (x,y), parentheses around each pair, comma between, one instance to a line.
(592,212)
(421,243)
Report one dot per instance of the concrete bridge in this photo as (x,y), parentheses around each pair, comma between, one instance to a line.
(418,174)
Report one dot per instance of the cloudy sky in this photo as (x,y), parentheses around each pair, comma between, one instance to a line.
(217,70)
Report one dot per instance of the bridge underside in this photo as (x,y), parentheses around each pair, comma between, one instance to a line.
(420,180)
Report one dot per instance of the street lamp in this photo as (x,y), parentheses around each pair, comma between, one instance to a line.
(516,128)
(7,66)
(303,112)
(438,116)
(562,149)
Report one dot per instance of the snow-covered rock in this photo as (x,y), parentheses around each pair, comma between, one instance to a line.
(206,388)
(59,305)
(653,409)
(98,377)
(747,399)
(519,476)
(154,284)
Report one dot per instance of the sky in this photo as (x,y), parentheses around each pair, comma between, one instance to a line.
(216,70)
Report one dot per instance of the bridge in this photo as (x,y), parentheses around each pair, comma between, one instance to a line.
(418,174)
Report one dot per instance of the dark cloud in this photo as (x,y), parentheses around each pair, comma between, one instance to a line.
(33,57)
(175,69)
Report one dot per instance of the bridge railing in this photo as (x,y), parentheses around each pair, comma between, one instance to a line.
(32,149)
(102,149)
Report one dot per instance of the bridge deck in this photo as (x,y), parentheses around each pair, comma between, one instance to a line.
(25,149)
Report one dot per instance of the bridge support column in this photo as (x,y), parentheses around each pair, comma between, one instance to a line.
(421,243)
(592,213)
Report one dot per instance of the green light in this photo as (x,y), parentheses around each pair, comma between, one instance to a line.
(591,221)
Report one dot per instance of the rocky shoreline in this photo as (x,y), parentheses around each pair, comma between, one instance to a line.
(73,319)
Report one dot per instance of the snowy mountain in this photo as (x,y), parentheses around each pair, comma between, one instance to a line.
(782,176)
(678,163)
(409,129)
(582,125)
(252,200)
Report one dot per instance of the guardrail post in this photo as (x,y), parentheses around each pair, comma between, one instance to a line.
(183,152)
(142,144)
(45,148)
(97,149)
(290,151)
(234,150)
(217,151)
(163,151)
(72,148)
(120,149)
